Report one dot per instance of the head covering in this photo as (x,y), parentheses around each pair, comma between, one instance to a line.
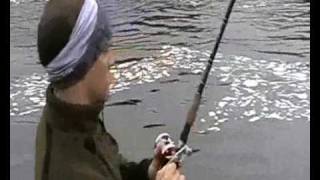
(90,35)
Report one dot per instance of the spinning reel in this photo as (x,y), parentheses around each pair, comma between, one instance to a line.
(166,147)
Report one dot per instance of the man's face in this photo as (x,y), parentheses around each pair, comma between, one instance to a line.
(99,78)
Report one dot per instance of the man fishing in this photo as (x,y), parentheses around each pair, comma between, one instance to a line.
(72,142)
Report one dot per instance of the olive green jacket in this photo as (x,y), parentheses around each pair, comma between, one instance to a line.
(72,144)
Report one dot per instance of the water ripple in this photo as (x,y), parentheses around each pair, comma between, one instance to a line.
(264,66)
(256,89)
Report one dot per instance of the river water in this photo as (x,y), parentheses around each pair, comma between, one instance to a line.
(264,56)
(263,60)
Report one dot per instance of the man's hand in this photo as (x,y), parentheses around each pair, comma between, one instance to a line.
(169,172)
(159,169)
(156,165)
(162,143)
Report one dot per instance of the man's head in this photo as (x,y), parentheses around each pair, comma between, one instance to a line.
(62,35)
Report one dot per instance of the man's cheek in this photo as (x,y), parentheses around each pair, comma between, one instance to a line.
(111,79)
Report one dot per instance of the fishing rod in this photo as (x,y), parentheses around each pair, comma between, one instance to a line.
(192,113)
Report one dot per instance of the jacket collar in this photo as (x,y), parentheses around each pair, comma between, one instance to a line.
(69,117)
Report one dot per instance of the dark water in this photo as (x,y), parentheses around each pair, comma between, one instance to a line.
(263,63)
(264,55)
(259,28)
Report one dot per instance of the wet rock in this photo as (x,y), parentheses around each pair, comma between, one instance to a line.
(154,90)
(183,73)
(169,81)
(127,102)
(153,125)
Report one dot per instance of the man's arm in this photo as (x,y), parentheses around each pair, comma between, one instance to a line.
(133,170)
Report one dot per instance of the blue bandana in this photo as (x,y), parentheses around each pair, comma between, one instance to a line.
(90,35)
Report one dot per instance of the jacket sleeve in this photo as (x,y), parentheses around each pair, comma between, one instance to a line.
(133,170)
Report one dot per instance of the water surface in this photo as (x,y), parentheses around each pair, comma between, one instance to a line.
(263,63)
